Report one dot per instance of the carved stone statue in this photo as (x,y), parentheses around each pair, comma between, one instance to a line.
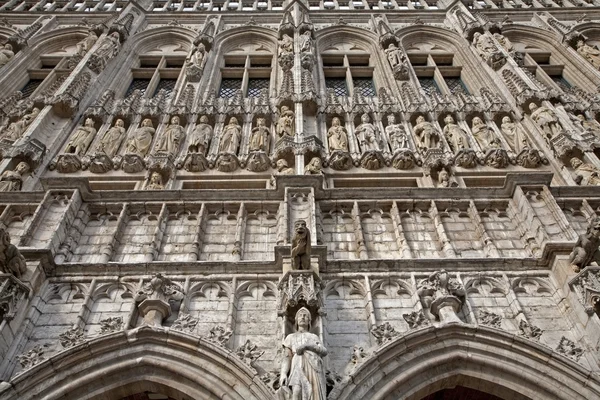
(286,45)
(545,119)
(505,43)
(285,123)
(306,42)
(302,372)
(366,133)
(155,182)
(86,44)
(586,125)
(394,55)
(586,247)
(488,50)
(111,141)
(396,133)
(445,180)
(11,260)
(196,60)
(200,136)
(16,129)
(429,137)
(6,54)
(585,174)
(301,246)
(313,167)
(81,139)
(140,142)
(514,135)
(337,136)
(455,135)
(230,140)
(589,53)
(259,138)
(11,181)
(171,138)
(109,47)
(484,134)
(283,168)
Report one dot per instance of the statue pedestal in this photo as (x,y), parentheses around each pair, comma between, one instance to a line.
(154,311)
(445,308)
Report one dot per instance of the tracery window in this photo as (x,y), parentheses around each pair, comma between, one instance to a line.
(249,73)
(437,72)
(156,72)
(49,69)
(543,66)
(348,71)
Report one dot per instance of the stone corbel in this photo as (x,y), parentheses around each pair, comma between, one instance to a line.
(153,300)
(442,295)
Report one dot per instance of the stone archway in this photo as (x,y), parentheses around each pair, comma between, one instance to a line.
(126,363)
(485,359)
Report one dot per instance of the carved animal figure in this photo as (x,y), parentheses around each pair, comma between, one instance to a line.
(586,247)
(11,261)
(301,246)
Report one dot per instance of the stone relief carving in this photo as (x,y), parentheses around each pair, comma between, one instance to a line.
(301,246)
(112,138)
(33,356)
(445,179)
(260,137)
(591,54)
(404,159)
(586,247)
(585,174)
(428,135)
(314,167)
(488,50)
(285,123)
(397,61)
(529,331)
(110,325)
(155,182)
(16,129)
(302,371)
(530,158)
(299,287)
(139,142)
(248,352)
(366,134)
(12,180)
(194,64)
(171,139)
(358,355)
(11,260)
(416,319)
(283,168)
(6,54)
(86,44)
(569,349)
(219,335)
(230,139)
(72,337)
(546,119)
(185,323)
(107,49)
(490,319)
(384,333)
(514,135)
(337,136)
(442,296)
(455,135)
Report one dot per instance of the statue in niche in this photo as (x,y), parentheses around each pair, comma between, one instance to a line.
(171,138)
(283,168)
(286,45)
(429,137)
(586,247)
(394,55)
(200,137)
(484,134)
(455,135)
(585,174)
(259,138)
(16,129)
(486,47)
(109,47)
(155,182)
(505,43)
(445,180)
(196,60)
(396,133)
(301,246)
(86,44)
(111,141)
(285,123)
(140,142)
(302,373)
(12,180)
(337,137)
(586,125)
(6,54)
(366,133)
(545,119)
(81,139)
(514,135)
(230,141)
(314,167)
(589,53)
(306,42)
(11,260)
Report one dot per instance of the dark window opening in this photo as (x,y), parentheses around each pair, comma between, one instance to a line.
(137,84)
(338,85)
(229,87)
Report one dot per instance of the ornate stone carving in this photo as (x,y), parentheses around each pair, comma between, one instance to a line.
(484,135)
(81,139)
(569,349)
(285,123)
(301,246)
(258,161)
(428,135)
(260,137)
(404,159)
(139,142)
(314,167)
(514,135)
(219,335)
(194,64)
(366,135)
(185,323)
(466,158)
(585,174)
(248,352)
(12,180)
(442,296)
(358,355)
(33,356)
(6,54)
(110,325)
(12,294)
(384,333)
(497,158)
(398,62)
(490,319)
(153,300)
(227,162)
(455,135)
(230,139)
(586,247)
(200,137)
(416,319)
(302,371)
(299,287)
(155,182)
(107,49)
(372,160)
(337,137)
(488,50)
(112,138)
(11,260)
(529,158)
(589,53)
(445,179)
(71,337)
(546,120)
(16,129)
(170,141)
(529,331)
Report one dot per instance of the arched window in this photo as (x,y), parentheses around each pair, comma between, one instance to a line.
(348,70)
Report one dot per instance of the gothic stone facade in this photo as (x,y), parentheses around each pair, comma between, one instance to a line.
(156,156)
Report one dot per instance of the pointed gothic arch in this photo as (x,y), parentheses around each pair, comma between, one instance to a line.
(144,359)
(496,362)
